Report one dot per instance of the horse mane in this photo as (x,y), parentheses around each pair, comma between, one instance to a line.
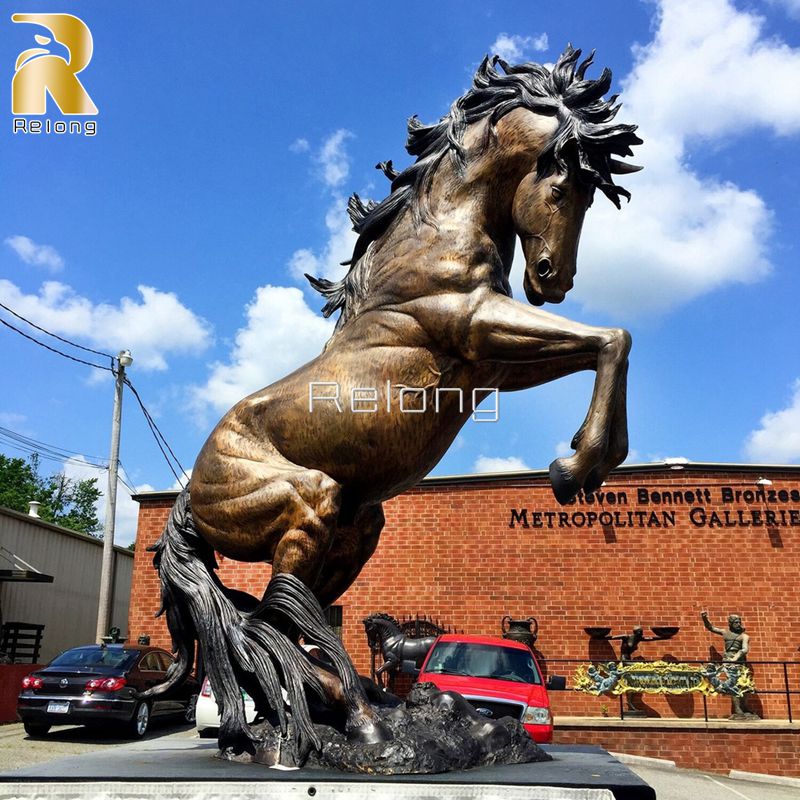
(585,140)
(380,616)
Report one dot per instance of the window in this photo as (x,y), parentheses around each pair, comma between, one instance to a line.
(483,661)
(150,663)
(333,616)
(166,661)
(92,656)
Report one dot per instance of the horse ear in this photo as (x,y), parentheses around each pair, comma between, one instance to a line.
(621,167)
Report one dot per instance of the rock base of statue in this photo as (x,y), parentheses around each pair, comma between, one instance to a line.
(432,732)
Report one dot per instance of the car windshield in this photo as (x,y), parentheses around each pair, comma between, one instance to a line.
(483,661)
(95,657)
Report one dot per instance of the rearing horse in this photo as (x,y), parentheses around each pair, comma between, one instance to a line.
(426,303)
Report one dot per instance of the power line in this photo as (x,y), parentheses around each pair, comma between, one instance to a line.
(43,448)
(124,481)
(56,336)
(51,452)
(154,429)
(53,349)
(158,436)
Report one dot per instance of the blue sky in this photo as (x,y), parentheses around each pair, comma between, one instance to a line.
(228,142)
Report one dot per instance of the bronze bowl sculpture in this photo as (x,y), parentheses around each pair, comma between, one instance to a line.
(598,632)
(295,474)
(665,631)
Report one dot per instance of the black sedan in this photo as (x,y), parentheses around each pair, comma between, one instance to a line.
(98,683)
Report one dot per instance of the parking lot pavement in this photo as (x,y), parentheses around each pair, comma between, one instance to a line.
(684,784)
(18,750)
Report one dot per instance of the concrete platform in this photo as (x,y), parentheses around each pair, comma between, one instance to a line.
(184,768)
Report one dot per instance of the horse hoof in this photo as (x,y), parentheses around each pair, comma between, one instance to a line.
(370,732)
(565,485)
(593,482)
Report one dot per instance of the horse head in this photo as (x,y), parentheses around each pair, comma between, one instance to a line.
(567,153)
(379,627)
(548,215)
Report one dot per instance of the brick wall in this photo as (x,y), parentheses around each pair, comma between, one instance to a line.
(448,551)
(769,752)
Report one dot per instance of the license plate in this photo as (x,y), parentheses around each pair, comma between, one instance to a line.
(58,707)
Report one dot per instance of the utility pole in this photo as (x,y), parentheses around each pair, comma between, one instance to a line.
(107,572)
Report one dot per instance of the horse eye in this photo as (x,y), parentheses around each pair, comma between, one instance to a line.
(556,192)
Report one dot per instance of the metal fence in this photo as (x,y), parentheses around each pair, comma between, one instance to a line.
(786,674)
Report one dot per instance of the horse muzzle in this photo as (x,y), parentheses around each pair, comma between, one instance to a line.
(538,293)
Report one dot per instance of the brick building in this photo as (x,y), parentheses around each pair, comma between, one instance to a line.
(654,546)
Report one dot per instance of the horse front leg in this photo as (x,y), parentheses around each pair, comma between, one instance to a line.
(390,663)
(545,346)
(617,450)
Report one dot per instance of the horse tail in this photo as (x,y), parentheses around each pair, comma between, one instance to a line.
(236,647)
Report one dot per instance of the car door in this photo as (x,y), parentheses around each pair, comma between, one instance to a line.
(152,672)
(179,697)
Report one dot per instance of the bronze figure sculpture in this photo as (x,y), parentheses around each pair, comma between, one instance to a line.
(737,646)
(298,481)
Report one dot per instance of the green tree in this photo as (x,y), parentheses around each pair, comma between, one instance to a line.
(65,501)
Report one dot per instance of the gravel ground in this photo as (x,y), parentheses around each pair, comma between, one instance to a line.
(18,750)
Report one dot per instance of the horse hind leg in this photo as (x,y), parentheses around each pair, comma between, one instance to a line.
(352,546)
(315,553)
(288,597)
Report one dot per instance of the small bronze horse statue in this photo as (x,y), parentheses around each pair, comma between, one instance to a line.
(426,303)
(385,635)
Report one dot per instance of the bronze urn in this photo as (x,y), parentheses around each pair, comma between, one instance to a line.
(519,630)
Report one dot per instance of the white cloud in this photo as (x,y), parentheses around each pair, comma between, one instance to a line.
(40,255)
(563,449)
(703,77)
(489,464)
(281,333)
(127,516)
(127,510)
(333,160)
(778,438)
(182,481)
(338,248)
(299,146)
(157,326)
(512,47)
(334,168)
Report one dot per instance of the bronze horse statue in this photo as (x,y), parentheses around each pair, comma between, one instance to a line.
(426,303)
(385,635)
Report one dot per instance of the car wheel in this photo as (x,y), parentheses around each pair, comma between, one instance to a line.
(208,733)
(191,710)
(35,729)
(137,727)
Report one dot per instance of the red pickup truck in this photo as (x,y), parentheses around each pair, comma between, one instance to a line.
(499,677)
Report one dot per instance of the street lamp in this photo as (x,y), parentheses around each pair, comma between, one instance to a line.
(124,359)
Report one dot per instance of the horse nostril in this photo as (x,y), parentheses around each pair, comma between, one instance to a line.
(544,268)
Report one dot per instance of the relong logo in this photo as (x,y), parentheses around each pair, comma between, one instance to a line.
(39,71)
